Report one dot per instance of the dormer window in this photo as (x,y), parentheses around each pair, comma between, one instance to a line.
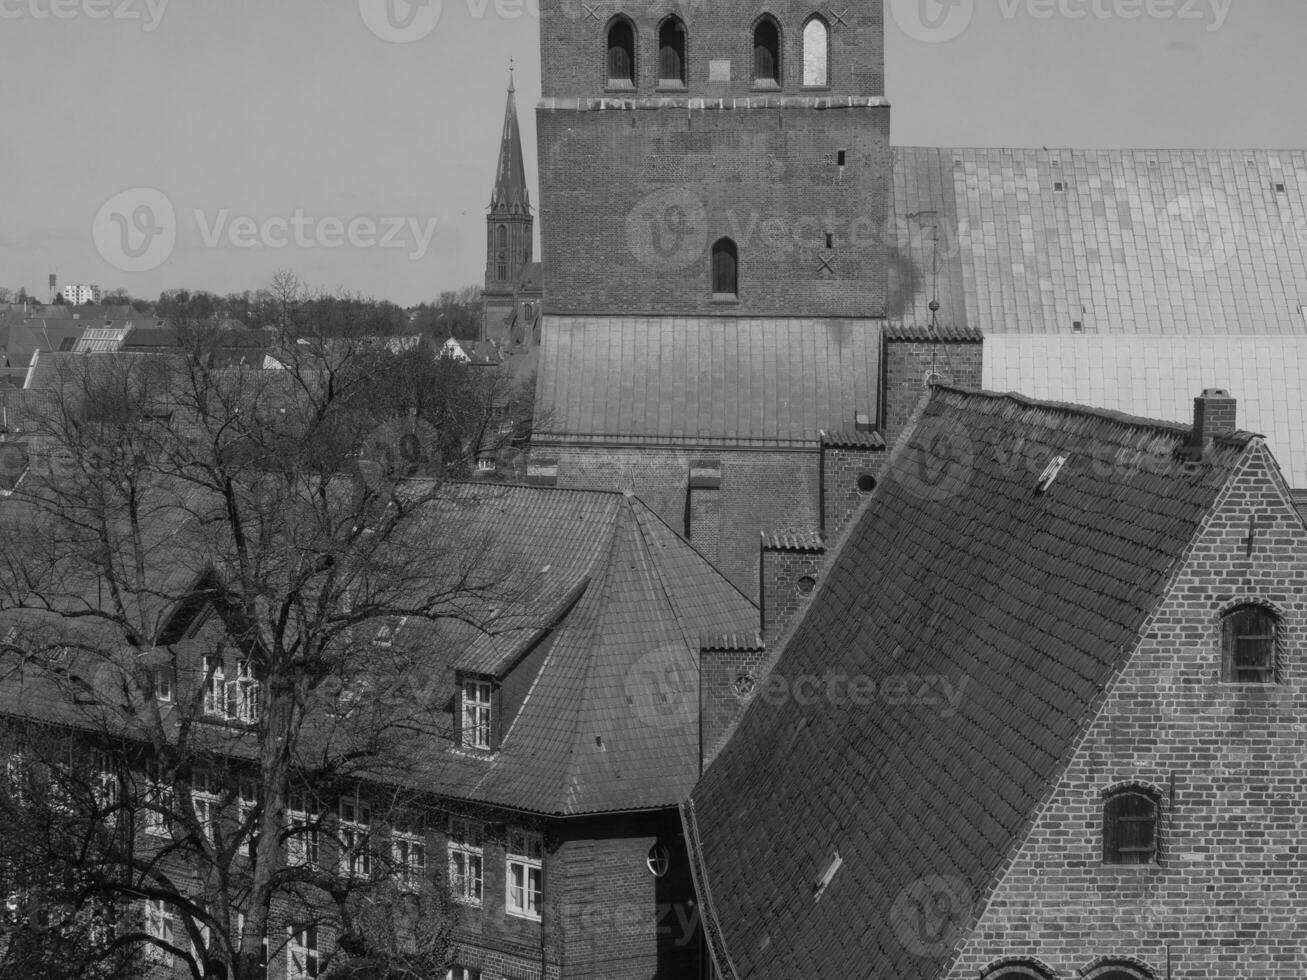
(476,708)
(1248,638)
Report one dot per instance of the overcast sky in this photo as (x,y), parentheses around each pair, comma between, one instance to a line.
(152,144)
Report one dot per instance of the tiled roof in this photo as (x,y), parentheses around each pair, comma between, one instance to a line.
(853,439)
(704,380)
(1158,377)
(930,333)
(793,541)
(1003,613)
(1135,241)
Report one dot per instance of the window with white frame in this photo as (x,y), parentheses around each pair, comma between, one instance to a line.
(247,798)
(215,690)
(303,961)
(160,923)
(302,839)
(525,875)
(105,788)
(158,801)
(465,855)
(245,693)
(161,683)
(476,714)
(205,801)
(16,776)
(462,973)
(408,853)
(355,855)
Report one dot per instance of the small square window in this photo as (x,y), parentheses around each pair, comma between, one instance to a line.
(1249,642)
(1059,186)
(1280,189)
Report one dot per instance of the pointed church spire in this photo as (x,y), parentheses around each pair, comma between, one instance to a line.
(510,194)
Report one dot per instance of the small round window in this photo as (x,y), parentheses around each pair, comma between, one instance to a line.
(658,860)
(866,483)
(806,584)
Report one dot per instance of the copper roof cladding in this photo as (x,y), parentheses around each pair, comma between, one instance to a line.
(1120,241)
(709,381)
(1026,603)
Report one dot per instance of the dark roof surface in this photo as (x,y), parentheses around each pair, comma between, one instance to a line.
(510,193)
(704,380)
(1015,608)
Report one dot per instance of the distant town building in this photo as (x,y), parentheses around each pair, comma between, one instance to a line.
(79,294)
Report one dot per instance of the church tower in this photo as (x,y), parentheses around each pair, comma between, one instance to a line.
(509,226)
(723,159)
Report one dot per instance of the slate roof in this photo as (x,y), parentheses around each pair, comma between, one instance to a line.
(1026,603)
(611,720)
(721,381)
(1135,242)
(509,194)
(1158,377)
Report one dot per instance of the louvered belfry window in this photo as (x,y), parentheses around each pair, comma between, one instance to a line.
(671,52)
(766,52)
(725,268)
(621,53)
(1130,828)
(1248,635)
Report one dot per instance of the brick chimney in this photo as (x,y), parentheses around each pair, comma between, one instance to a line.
(1214,411)
(913,359)
(730,676)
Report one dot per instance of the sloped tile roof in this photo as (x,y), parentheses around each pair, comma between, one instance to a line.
(704,380)
(1158,377)
(1136,241)
(957,571)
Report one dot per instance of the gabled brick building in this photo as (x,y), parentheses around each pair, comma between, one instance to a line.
(1040,719)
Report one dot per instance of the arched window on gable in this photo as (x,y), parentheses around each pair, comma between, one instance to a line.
(621,54)
(816,53)
(501,252)
(671,53)
(766,53)
(1119,970)
(1249,647)
(725,270)
(1130,825)
(1017,970)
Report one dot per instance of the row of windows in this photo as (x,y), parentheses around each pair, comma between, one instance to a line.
(1033,970)
(672,53)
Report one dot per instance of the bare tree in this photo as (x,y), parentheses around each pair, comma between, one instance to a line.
(230,616)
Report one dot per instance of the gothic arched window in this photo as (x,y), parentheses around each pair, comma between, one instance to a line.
(766,52)
(816,52)
(671,52)
(621,53)
(501,252)
(725,269)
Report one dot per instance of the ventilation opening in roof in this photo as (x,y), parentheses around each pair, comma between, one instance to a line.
(1059,187)
(1077,326)
(1280,189)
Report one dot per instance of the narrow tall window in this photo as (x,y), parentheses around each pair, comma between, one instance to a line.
(302,956)
(1130,827)
(501,253)
(725,269)
(408,852)
(215,693)
(525,874)
(302,832)
(621,54)
(476,714)
(205,801)
(160,924)
(766,53)
(1248,636)
(465,856)
(158,801)
(816,49)
(671,52)
(246,693)
(355,855)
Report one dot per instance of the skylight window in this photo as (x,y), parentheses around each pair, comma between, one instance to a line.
(1050,473)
